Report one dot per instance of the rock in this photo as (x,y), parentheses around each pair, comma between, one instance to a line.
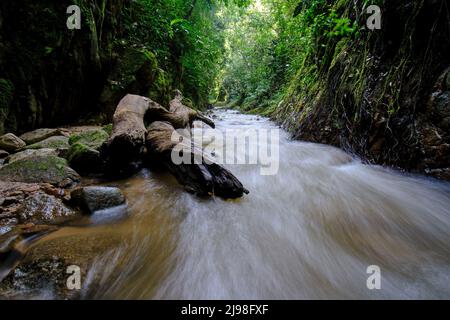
(47,169)
(92,138)
(39,135)
(31,209)
(29,153)
(3,154)
(43,270)
(84,153)
(41,208)
(11,143)
(56,142)
(84,159)
(93,199)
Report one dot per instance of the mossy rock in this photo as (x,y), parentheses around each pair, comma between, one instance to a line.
(108,128)
(84,159)
(49,169)
(91,138)
(56,142)
(30,153)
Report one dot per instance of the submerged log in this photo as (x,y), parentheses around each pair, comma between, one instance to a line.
(204,177)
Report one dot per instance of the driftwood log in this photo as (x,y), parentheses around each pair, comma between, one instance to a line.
(126,145)
(203,178)
(131,141)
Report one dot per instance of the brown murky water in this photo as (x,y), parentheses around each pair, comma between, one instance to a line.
(308,232)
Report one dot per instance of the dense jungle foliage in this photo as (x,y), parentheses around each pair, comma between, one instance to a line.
(312,65)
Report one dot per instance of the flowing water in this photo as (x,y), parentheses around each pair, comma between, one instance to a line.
(308,232)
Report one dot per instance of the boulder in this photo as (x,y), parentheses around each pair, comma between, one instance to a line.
(84,155)
(84,159)
(29,153)
(11,143)
(41,208)
(39,135)
(56,142)
(92,199)
(93,138)
(47,169)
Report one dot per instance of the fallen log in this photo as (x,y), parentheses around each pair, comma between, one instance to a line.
(204,177)
(131,142)
(126,145)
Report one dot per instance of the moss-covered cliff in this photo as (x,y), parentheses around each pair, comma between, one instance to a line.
(382,94)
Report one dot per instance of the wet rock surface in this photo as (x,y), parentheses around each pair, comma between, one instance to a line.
(28,209)
(92,199)
(42,273)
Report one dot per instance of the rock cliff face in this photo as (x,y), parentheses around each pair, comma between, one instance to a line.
(385,94)
(51,76)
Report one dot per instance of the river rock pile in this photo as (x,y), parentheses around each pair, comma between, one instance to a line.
(40,182)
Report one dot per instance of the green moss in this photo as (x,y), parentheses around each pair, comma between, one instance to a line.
(49,169)
(108,128)
(76,150)
(92,138)
(83,158)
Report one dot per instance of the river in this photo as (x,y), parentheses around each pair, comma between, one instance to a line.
(309,232)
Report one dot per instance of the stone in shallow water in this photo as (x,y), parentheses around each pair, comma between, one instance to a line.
(93,199)
(11,143)
(39,135)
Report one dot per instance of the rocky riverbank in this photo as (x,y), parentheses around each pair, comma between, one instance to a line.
(41,190)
